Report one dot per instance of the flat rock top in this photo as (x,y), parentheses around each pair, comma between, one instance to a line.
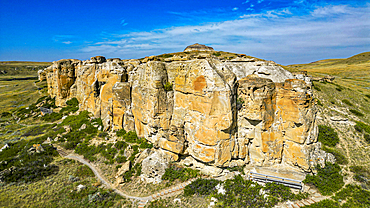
(198,47)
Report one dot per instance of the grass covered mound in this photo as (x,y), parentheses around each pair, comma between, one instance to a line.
(328,179)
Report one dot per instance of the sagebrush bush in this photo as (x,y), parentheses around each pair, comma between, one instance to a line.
(356,112)
(168,86)
(339,157)
(183,174)
(328,136)
(354,196)
(24,166)
(328,179)
(362,127)
(201,187)
(347,102)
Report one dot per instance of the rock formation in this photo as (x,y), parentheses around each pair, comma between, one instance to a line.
(222,112)
(198,47)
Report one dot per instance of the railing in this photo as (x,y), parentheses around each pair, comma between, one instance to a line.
(296,184)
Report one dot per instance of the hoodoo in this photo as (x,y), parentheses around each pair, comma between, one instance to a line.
(198,47)
(221,109)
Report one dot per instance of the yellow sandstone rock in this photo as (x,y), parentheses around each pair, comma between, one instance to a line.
(219,112)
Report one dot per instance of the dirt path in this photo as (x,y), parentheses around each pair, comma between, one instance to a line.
(34,83)
(141,200)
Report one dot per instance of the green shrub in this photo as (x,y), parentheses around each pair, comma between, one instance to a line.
(340,158)
(327,136)
(168,86)
(84,171)
(76,121)
(37,130)
(244,193)
(87,151)
(362,127)
(217,54)
(120,159)
(328,179)
(361,174)
(97,121)
(237,168)
(52,117)
(121,145)
(73,102)
(24,166)
(367,138)
(121,133)
(131,137)
(316,87)
(318,102)
(240,101)
(158,204)
(5,115)
(144,144)
(356,112)
(167,55)
(118,167)
(103,134)
(201,187)
(347,102)
(354,196)
(368,96)
(183,174)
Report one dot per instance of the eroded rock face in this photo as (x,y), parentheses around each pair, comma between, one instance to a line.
(220,112)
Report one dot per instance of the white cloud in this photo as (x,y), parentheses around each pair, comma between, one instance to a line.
(246,2)
(235,8)
(260,1)
(278,35)
(123,23)
(330,10)
(58,38)
(251,5)
(67,42)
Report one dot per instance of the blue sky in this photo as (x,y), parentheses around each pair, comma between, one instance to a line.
(286,32)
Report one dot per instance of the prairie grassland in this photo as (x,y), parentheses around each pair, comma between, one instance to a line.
(21,67)
(59,190)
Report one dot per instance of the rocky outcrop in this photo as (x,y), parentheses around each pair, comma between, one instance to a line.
(220,112)
(198,47)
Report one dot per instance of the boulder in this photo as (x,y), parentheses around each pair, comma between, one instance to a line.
(153,168)
(80,187)
(198,47)
(125,167)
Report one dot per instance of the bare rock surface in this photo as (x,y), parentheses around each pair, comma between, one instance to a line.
(153,168)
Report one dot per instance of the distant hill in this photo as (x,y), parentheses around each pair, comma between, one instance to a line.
(21,67)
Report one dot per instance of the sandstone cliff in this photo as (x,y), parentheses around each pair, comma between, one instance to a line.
(223,110)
